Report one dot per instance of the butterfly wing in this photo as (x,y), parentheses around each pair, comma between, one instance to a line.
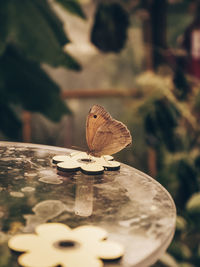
(97,116)
(105,136)
(111,138)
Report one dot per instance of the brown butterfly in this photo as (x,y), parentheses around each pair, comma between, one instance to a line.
(104,135)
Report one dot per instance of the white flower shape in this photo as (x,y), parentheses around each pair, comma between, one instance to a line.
(86,163)
(56,244)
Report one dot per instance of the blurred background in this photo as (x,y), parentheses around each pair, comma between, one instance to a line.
(140,59)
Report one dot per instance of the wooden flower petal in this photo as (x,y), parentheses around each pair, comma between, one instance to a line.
(107,157)
(69,165)
(79,155)
(92,168)
(83,260)
(108,250)
(23,242)
(88,233)
(108,163)
(53,231)
(59,158)
(39,258)
(111,165)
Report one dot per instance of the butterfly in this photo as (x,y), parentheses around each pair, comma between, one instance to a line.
(105,135)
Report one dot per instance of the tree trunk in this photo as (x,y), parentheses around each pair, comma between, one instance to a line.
(155,32)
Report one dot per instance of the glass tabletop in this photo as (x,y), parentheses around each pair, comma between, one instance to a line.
(132,207)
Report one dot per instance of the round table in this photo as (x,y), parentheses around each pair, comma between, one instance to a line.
(132,207)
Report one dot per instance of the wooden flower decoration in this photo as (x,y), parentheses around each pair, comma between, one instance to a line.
(86,163)
(56,244)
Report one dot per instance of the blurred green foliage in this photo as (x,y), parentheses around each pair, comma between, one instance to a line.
(73,7)
(171,126)
(31,34)
(109,32)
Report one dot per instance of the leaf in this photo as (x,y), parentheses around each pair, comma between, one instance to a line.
(182,87)
(186,264)
(110,27)
(180,251)
(193,204)
(53,21)
(151,128)
(72,6)
(4,29)
(188,181)
(27,84)
(181,223)
(168,260)
(10,125)
(197,163)
(36,31)
(2,46)
(165,114)
(197,103)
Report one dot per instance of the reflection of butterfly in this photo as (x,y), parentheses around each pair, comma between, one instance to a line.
(104,135)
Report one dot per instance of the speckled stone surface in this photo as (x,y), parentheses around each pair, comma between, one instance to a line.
(135,210)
